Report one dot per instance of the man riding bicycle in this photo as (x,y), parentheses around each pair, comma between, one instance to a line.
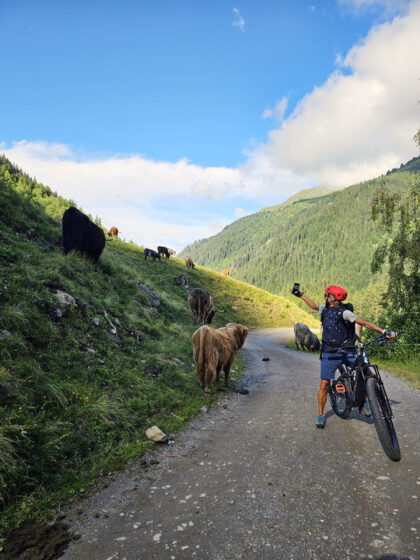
(337,331)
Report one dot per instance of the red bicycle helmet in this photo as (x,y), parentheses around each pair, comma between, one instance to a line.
(338,292)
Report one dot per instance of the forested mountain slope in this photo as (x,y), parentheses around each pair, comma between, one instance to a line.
(314,237)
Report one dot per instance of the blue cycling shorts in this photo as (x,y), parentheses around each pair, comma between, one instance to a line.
(330,362)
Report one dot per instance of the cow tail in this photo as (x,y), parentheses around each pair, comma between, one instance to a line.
(199,353)
(202,353)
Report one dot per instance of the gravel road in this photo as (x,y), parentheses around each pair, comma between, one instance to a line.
(255,480)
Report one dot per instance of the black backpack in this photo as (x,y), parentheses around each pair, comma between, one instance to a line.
(346,329)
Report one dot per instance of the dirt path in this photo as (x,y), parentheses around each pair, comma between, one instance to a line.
(256,480)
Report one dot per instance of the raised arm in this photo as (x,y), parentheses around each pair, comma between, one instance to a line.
(309,302)
(373,327)
(300,294)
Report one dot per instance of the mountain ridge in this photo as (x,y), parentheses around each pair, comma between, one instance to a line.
(327,238)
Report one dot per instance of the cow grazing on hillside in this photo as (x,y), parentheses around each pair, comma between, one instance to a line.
(163,251)
(225,272)
(151,253)
(305,337)
(113,232)
(171,252)
(214,350)
(201,305)
(189,263)
(82,235)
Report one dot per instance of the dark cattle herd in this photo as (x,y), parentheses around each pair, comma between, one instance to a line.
(83,236)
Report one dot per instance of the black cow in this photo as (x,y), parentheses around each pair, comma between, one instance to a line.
(163,251)
(151,253)
(82,235)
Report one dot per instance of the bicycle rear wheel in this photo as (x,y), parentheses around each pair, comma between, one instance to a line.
(383,423)
(340,400)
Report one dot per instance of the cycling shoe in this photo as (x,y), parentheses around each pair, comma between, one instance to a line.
(320,422)
(366,411)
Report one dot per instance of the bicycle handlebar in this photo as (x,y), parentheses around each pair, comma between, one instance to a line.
(379,340)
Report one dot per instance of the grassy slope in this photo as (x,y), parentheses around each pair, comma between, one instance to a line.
(74,402)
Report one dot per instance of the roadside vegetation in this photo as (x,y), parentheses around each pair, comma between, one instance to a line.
(79,386)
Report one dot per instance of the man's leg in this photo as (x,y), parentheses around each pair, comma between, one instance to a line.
(322,395)
(329,363)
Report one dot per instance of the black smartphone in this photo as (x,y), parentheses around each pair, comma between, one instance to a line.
(296,287)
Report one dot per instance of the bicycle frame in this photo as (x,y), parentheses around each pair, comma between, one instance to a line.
(358,373)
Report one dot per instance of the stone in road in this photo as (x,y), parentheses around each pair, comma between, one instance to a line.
(257,481)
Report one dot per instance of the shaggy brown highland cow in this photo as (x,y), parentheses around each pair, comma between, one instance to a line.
(215,349)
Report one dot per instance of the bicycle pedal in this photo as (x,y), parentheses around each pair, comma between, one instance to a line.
(340,388)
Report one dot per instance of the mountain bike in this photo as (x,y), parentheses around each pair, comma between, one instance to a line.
(358,381)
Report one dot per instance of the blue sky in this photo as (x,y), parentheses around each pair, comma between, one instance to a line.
(172,119)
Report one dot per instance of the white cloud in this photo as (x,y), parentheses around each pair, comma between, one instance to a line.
(202,188)
(278,112)
(238,20)
(358,124)
(132,177)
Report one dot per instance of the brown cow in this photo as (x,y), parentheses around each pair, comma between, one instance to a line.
(201,305)
(216,349)
(189,263)
(225,272)
(113,232)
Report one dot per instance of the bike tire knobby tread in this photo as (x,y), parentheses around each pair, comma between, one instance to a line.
(384,427)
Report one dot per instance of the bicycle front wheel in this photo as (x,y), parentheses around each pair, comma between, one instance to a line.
(383,423)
